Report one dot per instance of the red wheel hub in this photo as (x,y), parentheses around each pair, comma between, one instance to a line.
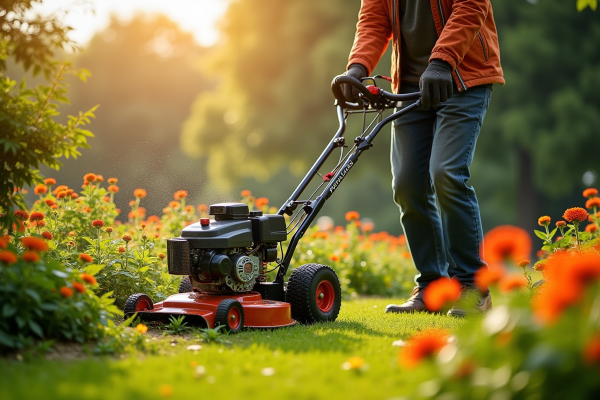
(325,296)
(142,305)
(234,318)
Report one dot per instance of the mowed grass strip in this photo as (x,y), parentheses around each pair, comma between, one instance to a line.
(300,362)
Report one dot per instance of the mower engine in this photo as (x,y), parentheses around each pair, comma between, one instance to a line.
(230,253)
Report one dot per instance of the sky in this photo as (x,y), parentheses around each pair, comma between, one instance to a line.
(86,17)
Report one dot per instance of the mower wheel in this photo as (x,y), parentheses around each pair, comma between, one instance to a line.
(186,285)
(230,314)
(315,294)
(136,303)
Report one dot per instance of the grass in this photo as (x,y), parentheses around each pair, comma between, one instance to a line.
(307,363)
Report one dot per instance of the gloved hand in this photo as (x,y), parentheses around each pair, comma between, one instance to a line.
(356,71)
(435,83)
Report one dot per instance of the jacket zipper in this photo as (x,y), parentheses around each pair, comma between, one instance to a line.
(485,55)
(441,12)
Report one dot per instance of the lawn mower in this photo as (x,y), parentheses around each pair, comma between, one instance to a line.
(224,261)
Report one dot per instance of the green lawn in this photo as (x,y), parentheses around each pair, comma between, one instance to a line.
(307,363)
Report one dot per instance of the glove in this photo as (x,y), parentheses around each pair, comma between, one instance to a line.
(356,71)
(435,84)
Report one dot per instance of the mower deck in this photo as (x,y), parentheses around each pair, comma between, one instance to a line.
(200,309)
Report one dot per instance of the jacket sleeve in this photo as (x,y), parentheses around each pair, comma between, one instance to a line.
(461,29)
(373,33)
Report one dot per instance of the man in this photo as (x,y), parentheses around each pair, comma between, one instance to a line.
(448,50)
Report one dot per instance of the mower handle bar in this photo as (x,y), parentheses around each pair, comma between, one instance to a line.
(336,88)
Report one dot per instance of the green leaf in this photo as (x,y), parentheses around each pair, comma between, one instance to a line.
(33,294)
(8,310)
(6,339)
(93,269)
(36,328)
(541,235)
(553,233)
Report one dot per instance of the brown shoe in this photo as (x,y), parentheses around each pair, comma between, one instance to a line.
(471,302)
(413,304)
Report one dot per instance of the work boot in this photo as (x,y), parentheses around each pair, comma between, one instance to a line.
(472,301)
(413,304)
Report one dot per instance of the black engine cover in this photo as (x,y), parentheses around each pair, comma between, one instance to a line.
(225,234)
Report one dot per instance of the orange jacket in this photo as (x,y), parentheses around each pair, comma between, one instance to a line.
(467,39)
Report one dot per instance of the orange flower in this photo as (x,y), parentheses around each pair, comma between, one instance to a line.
(50,181)
(593,202)
(487,276)
(339,229)
(544,221)
(246,193)
(36,216)
(8,257)
(561,224)
(591,351)
(141,328)
(352,216)
(127,238)
(49,202)
(113,188)
(109,230)
(506,242)
(166,390)
(334,258)
(141,193)
(47,235)
(368,227)
(122,249)
(21,215)
(524,263)
(590,192)
(512,282)
(66,292)
(86,258)
(40,189)
(88,278)
(423,345)
(87,210)
(261,202)
(202,207)
(99,178)
(30,256)
(3,242)
(89,177)
(60,188)
(575,214)
(161,256)
(79,287)
(98,224)
(174,204)
(320,235)
(353,363)
(441,292)
(33,243)
(180,194)
(189,209)
(112,181)
(74,196)
(591,228)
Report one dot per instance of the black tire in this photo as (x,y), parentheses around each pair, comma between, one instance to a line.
(302,294)
(137,302)
(186,285)
(225,310)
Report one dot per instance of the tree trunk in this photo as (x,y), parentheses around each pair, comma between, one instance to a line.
(528,202)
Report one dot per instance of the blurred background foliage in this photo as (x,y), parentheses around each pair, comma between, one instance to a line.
(255,110)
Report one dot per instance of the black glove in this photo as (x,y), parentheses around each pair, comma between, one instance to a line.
(435,83)
(356,71)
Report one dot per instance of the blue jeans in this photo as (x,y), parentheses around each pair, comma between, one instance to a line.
(430,156)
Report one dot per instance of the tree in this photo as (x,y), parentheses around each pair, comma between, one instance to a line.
(30,135)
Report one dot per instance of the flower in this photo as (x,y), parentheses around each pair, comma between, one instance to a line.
(86,258)
(3,242)
(109,230)
(40,189)
(74,196)
(202,207)
(180,194)
(49,202)
(35,244)
(127,238)
(512,282)
(423,345)
(140,193)
(112,181)
(88,278)
(593,202)
(544,221)
(261,202)
(99,178)
(591,351)
(334,258)
(66,292)
(50,181)
(352,216)
(354,362)
(246,193)
(524,263)
(166,390)
(506,242)
(36,216)
(122,249)
(141,328)
(79,287)
(561,224)
(21,215)
(113,188)
(174,205)
(591,228)
(87,210)
(98,224)
(89,177)
(71,233)
(30,256)
(161,256)
(486,276)
(60,188)
(590,192)
(47,235)
(367,227)
(440,292)
(8,257)
(575,214)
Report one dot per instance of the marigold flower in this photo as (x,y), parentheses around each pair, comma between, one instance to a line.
(423,345)
(246,193)
(36,216)
(524,263)
(166,390)
(127,238)
(8,257)
(79,287)
(161,256)
(141,211)
(21,215)
(591,228)
(202,207)
(544,221)
(591,351)
(98,224)
(561,224)
(590,192)
(60,188)
(334,258)
(47,235)
(575,214)
(109,230)
(261,202)
(174,205)
(122,249)
(506,242)
(86,258)
(35,244)
(180,194)
(367,227)
(49,202)
(339,229)
(88,278)
(593,202)
(50,181)
(512,282)
(352,216)
(441,292)
(89,177)
(189,209)
(3,243)
(113,188)
(354,362)
(40,189)
(489,275)
(66,292)
(74,196)
(140,193)
(71,233)
(30,256)
(99,178)
(112,181)
(141,328)
(106,199)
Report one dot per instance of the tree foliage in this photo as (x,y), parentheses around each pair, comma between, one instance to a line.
(30,134)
